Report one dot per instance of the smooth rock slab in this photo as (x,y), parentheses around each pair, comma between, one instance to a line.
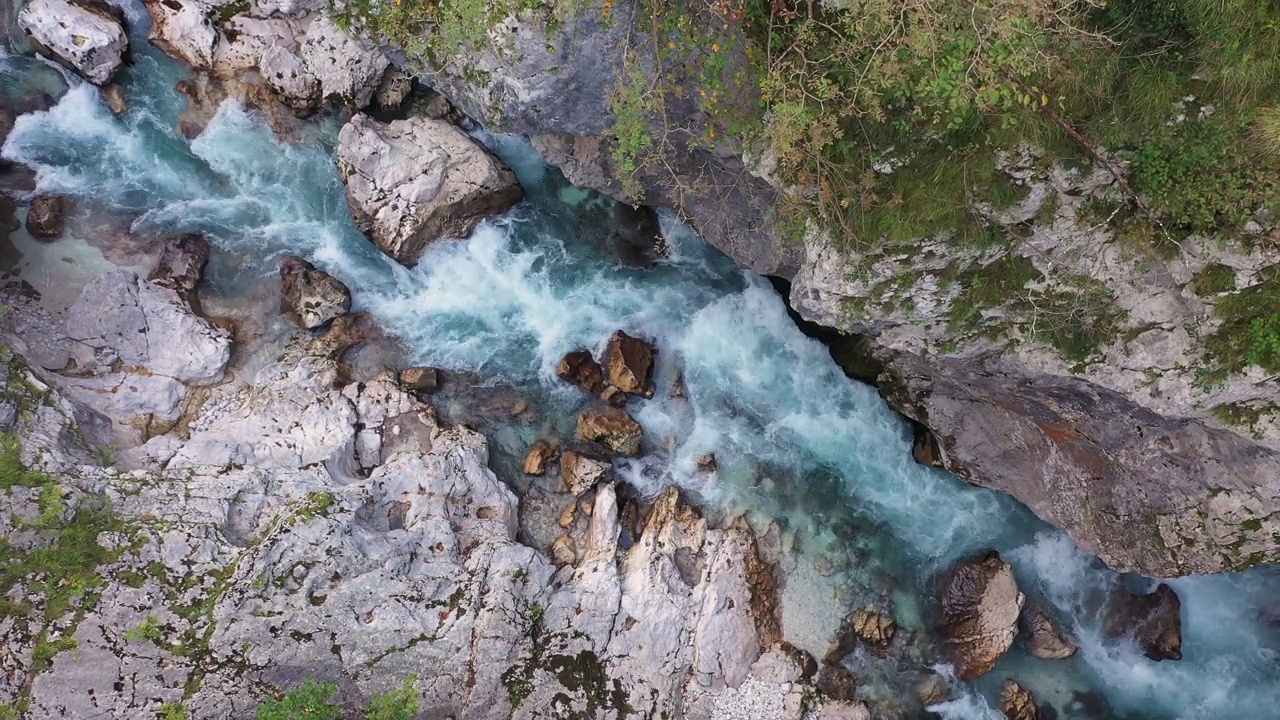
(413,181)
(88,37)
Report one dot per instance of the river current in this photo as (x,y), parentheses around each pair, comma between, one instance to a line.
(796,441)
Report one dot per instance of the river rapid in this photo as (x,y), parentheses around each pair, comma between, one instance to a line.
(797,442)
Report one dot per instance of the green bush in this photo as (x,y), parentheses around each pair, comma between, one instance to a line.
(399,704)
(312,701)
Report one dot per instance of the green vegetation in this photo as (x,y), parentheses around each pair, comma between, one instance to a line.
(148,630)
(312,701)
(173,711)
(403,703)
(1250,330)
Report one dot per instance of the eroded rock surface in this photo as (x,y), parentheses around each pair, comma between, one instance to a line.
(415,180)
(312,297)
(87,36)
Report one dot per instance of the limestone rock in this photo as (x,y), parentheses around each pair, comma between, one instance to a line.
(564,551)
(1017,703)
(978,614)
(393,89)
(1153,621)
(291,79)
(184,29)
(580,369)
(180,264)
(312,297)
(345,67)
(85,35)
(1043,639)
(580,472)
(629,364)
(45,218)
(421,380)
(415,180)
(540,455)
(611,428)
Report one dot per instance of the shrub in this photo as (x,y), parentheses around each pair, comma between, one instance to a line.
(312,701)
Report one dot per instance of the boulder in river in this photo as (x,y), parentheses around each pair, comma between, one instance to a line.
(87,36)
(580,472)
(184,29)
(1153,621)
(540,455)
(181,263)
(628,362)
(611,428)
(415,180)
(1017,703)
(1042,638)
(45,218)
(978,615)
(420,380)
(312,297)
(580,369)
(873,628)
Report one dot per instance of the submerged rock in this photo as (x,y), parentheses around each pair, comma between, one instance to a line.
(540,455)
(45,218)
(181,263)
(932,689)
(87,36)
(580,369)
(580,472)
(836,682)
(1017,703)
(1153,621)
(978,615)
(629,364)
(312,297)
(611,428)
(1043,639)
(415,180)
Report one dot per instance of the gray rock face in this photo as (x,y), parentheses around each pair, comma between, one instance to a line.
(1145,493)
(85,35)
(413,181)
(978,614)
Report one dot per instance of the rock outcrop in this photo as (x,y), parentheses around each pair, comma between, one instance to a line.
(180,264)
(312,297)
(628,363)
(413,181)
(45,217)
(1152,621)
(1144,492)
(87,36)
(578,368)
(978,614)
(581,473)
(184,29)
(612,429)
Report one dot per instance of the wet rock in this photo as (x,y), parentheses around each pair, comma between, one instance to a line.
(580,472)
(45,218)
(932,689)
(628,363)
(1153,621)
(873,628)
(183,29)
(312,297)
(613,396)
(540,455)
(580,369)
(611,428)
(707,463)
(564,551)
(836,682)
(181,263)
(415,180)
(1017,703)
(85,35)
(1042,638)
(420,380)
(114,96)
(978,614)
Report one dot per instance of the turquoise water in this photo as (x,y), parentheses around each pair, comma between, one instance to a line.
(796,441)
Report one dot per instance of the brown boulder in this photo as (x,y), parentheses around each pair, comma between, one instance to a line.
(932,689)
(1017,703)
(1042,638)
(580,472)
(564,551)
(540,455)
(978,615)
(873,627)
(312,297)
(836,682)
(420,380)
(628,363)
(611,428)
(181,262)
(45,218)
(580,369)
(1153,621)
